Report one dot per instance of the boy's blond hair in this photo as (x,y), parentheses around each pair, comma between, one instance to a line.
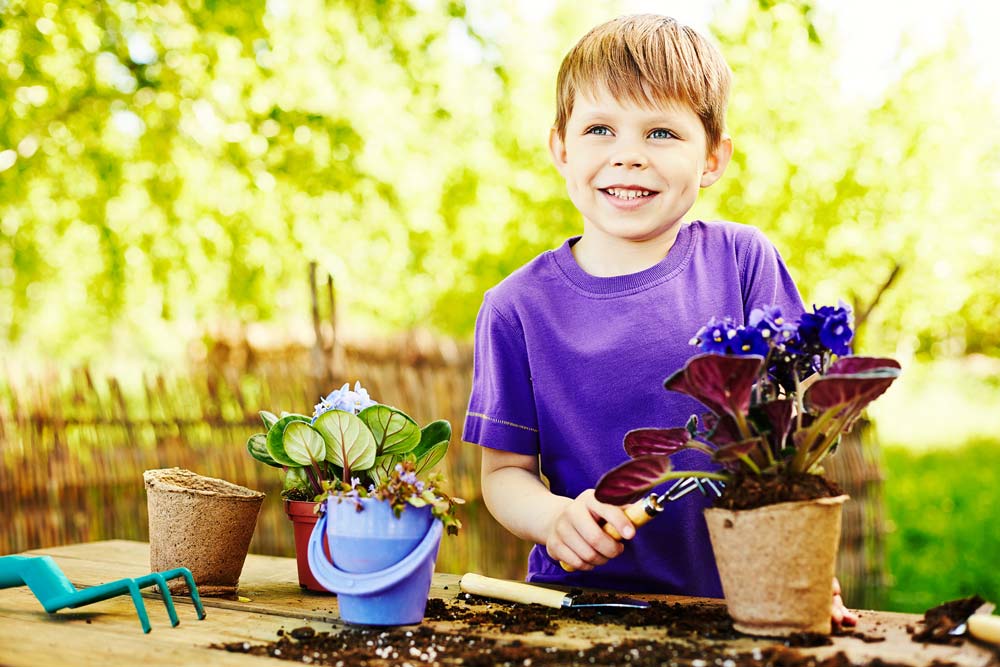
(649,60)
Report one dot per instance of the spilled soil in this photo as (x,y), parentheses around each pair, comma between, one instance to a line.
(693,636)
(746,492)
(939,621)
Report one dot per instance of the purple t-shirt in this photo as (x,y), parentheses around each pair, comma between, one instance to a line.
(566,363)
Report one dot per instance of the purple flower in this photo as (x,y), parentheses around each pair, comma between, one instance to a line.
(716,336)
(826,327)
(749,341)
(726,337)
(408,478)
(771,323)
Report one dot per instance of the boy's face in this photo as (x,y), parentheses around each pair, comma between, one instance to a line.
(634,172)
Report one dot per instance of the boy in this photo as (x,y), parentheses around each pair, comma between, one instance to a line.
(572,349)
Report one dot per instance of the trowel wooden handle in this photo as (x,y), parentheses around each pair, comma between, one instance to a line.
(636,513)
(512,591)
(985,627)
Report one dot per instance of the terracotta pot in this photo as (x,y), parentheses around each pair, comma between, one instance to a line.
(777,564)
(303,520)
(201,523)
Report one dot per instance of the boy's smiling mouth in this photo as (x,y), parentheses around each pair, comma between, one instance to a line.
(627,196)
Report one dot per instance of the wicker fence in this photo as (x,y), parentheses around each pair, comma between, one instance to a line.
(73,448)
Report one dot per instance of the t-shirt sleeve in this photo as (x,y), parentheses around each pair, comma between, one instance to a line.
(501,411)
(766,280)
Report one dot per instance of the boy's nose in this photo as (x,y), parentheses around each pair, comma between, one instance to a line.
(629,159)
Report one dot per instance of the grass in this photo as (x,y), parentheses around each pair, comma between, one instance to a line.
(944,511)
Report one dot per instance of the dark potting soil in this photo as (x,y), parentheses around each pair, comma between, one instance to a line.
(940,620)
(398,647)
(684,626)
(749,492)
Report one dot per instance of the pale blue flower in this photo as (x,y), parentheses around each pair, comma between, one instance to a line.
(345,399)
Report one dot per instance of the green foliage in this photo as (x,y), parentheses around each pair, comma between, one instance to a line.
(944,506)
(177,164)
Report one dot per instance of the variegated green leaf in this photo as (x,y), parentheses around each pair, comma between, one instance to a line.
(394,431)
(303,443)
(431,457)
(257,446)
(274,439)
(268,418)
(349,443)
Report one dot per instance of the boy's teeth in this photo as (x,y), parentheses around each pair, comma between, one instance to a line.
(623,193)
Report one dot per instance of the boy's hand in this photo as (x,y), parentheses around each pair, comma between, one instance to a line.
(577,539)
(841,614)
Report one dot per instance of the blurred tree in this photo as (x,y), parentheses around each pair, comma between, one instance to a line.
(168,165)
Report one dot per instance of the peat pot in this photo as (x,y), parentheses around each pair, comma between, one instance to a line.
(201,523)
(303,518)
(777,564)
(381,564)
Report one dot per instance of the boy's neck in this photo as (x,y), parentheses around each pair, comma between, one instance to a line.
(606,257)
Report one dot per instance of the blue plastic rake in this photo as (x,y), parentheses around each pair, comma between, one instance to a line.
(55,591)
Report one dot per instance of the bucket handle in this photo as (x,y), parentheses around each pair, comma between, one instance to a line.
(366,583)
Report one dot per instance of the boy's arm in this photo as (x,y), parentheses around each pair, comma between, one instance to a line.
(568,528)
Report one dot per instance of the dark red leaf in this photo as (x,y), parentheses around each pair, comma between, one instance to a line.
(853,365)
(721,381)
(721,430)
(852,392)
(662,441)
(632,479)
(734,451)
(779,417)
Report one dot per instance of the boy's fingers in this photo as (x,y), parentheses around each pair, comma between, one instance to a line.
(614,516)
(570,536)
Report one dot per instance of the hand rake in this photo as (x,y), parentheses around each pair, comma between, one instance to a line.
(55,591)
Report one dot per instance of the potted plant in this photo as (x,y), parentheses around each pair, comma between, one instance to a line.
(779,395)
(349,437)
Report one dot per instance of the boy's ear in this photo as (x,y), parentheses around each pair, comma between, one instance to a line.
(717,161)
(557,147)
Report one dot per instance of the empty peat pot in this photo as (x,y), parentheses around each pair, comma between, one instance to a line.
(201,523)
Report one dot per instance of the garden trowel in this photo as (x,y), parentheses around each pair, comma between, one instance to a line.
(515,591)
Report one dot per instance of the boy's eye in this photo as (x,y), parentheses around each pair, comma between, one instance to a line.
(661,133)
(599,130)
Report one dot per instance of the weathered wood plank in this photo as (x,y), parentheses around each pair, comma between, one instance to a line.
(108,633)
(277,601)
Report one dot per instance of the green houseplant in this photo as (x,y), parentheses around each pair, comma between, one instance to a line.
(353,447)
(779,397)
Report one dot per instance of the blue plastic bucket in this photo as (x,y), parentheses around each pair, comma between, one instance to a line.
(382,565)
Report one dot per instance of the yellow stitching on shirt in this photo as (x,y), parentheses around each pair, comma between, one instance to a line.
(500,421)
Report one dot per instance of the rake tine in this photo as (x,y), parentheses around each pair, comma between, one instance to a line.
(717,487)
(140,607)
(195,598)
(168,601)
(681,488)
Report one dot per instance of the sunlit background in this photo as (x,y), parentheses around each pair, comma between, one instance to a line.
(169,171)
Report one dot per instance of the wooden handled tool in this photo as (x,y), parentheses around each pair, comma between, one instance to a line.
(642,511)
(985,627)
(514,591)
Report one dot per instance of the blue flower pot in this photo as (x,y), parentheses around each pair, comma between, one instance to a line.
(382,565)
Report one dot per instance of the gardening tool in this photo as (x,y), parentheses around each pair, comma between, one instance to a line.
(642,511)
(515,591)
(981,624)
(55,591)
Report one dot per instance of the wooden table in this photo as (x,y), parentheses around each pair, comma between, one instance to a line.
(108,633)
